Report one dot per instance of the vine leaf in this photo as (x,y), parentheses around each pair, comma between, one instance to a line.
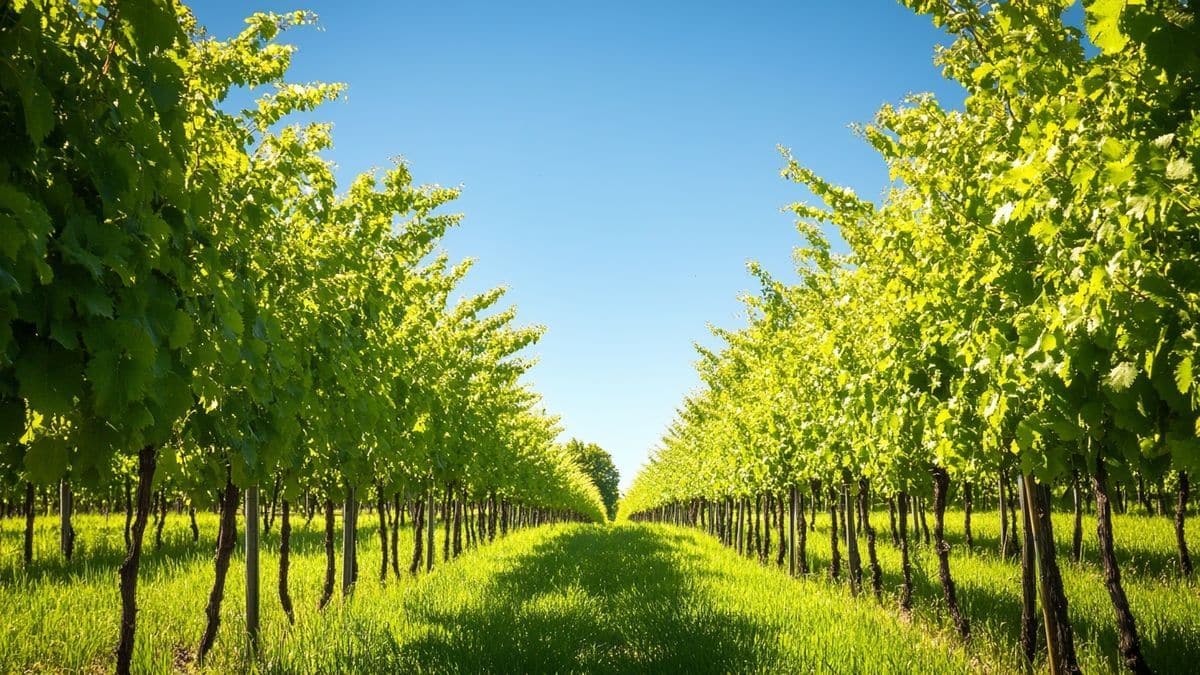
(39,112)
(12,420)
(50,377)
(1183,375)
(1122,375)
(46,460)
(1104,24)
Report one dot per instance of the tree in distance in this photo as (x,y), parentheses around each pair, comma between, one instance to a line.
(597,463)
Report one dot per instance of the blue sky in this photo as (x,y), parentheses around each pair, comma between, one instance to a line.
(617,158)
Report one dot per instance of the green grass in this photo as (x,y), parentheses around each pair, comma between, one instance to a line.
(1167,608)
(623,598)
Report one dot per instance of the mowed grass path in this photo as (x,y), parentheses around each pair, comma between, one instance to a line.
(620,598)
(630,598)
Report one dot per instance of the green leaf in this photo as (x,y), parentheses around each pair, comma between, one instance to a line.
(138,417)
(1104,24)
(1025,435)
(150,25)
(35,222)
(39,110)
(50,377)
(1065,430)
(231,320)
(181,330)
(172,399)
(106,385)
(94,301)
(1118,173)
(1163,142)
(1092,413)
(1049,342)
(1183,375)
(1122,375)
(46,460)
(165,85)
(1178,169)
(8,283)
(64,333)
(1112,149)
(11,236)
(12,420)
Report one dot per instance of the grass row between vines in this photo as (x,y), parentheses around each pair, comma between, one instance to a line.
(621,598)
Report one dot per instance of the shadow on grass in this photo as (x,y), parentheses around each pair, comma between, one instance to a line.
(596,600)
(1137,560)
(1169,647)
(100,547)
(1139,557)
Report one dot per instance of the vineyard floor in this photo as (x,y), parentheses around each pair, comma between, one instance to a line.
(619,598)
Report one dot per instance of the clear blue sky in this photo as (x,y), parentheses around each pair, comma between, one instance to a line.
(618,158)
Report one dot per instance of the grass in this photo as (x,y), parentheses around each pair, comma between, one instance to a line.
(621,598)
(1167,607)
